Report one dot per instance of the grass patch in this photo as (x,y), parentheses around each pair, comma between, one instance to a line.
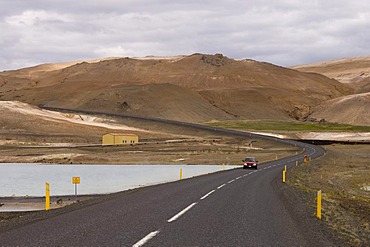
(286,125)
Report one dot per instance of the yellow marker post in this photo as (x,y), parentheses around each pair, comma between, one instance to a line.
(47,196)
(75,181)
(318,211)
(285,168)
(296,163)
(180,173)
(284,176)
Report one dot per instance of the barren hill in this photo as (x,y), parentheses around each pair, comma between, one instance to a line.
(352,109)
(22,123)
(190,88)
(353,71)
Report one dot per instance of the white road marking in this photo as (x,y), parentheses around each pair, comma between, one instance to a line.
(146,239)
(182,212)
(203,197)
(238,177)
(231,181)
(219,187)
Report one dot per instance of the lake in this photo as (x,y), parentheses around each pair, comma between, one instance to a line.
(30,179)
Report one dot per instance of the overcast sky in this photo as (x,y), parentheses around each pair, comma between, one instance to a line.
(283,32)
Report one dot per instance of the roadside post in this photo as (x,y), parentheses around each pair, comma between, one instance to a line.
(284,176)
(47,196)
(318,210)
(285,168)
(305,158)
(180,173)
(75,181)
(296,163)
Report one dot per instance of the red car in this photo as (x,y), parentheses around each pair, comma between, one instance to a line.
(250,162)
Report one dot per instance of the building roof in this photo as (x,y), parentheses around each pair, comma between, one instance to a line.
(120,134)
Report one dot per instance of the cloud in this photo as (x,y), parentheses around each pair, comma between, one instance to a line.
(286,32)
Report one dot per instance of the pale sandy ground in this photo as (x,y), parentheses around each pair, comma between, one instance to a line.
(28,109)
(336,136)
(330,136)
(22,204)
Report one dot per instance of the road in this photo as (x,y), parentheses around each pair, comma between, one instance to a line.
(230,208)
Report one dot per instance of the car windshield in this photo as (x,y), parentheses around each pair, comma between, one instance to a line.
(250,159)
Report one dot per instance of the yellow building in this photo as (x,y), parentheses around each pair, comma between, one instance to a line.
(117,139)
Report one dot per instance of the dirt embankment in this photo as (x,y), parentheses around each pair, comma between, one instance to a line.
(343,176)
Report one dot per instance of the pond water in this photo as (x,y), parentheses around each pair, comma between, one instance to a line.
(30,179)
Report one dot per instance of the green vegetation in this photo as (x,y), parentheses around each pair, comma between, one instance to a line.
(286,125)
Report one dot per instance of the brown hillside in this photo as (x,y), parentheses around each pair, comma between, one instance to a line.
(352,109)
(192,88)
(352,71)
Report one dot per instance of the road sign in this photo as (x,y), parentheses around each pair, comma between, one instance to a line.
(76,180)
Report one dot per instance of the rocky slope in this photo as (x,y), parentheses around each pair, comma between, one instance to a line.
(191,88)
(353,72)
(352,109)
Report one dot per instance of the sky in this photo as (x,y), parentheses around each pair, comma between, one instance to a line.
(282,32)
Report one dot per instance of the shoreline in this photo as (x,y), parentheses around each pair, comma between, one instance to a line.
(36,203)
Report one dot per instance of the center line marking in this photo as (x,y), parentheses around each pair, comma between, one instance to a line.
(182,212)
(231,181)
(146,239)
(203,197)
(219,187)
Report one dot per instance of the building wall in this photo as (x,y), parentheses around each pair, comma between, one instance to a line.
(108,139)
(111,139)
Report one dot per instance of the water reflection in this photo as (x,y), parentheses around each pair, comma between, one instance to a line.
(29,179)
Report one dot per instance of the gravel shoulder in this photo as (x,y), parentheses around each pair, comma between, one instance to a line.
(343,176)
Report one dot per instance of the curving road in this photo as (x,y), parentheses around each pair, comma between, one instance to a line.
(230,208)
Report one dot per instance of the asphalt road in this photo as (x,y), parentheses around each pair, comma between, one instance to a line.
(230,208)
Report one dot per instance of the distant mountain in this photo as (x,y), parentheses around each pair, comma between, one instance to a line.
(190,88)
(353,72)
(352,109)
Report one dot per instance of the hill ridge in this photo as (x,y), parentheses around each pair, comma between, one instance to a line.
(206,86)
